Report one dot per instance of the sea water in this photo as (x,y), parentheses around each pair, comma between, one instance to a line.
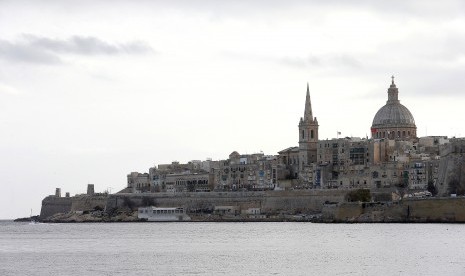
(258,248)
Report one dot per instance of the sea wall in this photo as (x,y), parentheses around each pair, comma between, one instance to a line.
(409,210)
(330,203)
(267,201)
(88,202)
(52,205)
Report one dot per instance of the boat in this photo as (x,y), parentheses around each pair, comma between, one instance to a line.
(152,213)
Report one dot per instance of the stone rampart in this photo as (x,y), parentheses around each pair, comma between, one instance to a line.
(53,205)
(268,201)
(410,210)
(88,202)
(439,209)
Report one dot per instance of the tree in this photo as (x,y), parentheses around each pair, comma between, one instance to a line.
(127,202)
(148,201)
(362,195)
(455,187)
(432,188)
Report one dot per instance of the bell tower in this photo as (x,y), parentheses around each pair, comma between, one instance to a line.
(308,135)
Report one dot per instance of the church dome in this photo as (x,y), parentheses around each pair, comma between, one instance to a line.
(393,120)
(394,114)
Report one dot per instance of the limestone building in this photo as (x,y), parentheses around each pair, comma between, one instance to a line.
(241,172)
(393,120)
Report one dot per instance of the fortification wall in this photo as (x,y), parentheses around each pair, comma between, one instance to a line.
(88,202)
(411,210)
(268,201)
(440,209)
(53,205)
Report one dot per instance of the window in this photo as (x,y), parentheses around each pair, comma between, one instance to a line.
(311,133)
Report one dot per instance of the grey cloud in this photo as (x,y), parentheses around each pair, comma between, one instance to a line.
(26,53)
(346,60)
(87,45)
(43,50)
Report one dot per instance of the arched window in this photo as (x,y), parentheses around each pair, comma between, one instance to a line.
(311,133)
(303,134)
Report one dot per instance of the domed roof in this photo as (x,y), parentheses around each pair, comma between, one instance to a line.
(393,114)
(234,154)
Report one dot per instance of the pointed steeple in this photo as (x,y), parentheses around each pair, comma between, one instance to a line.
(308,116)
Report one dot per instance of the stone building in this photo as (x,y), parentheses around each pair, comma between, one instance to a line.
(288,159)
(393,120)
(343,162)
(188,182)
(308,135)
(250,172)
(139,181)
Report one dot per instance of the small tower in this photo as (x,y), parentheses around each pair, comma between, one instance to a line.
(90,189)
(308,135)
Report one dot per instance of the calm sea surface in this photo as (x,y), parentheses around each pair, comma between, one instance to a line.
(231,249)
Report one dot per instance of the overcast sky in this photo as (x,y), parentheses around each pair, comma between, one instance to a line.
(92,90)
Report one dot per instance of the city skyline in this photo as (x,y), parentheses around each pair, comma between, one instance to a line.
(87,96)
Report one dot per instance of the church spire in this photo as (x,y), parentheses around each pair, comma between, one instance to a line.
(308,116)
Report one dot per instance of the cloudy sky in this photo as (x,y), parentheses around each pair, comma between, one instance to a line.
(92,90)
